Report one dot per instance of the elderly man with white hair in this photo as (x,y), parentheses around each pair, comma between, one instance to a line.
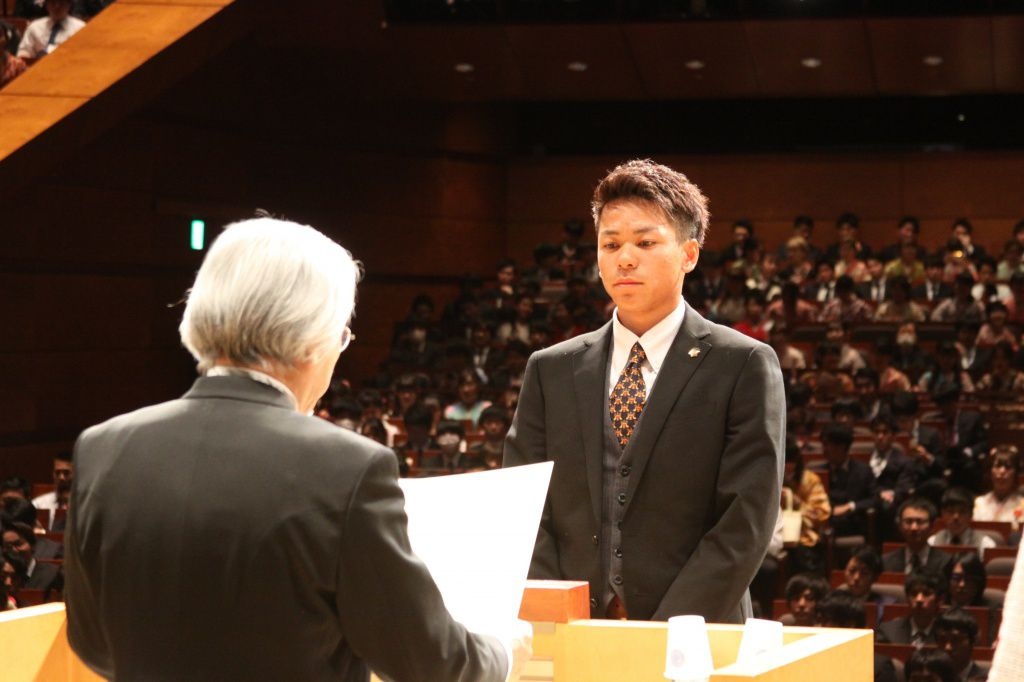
(229,535)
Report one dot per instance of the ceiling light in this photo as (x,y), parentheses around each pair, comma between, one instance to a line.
(810,62)
(578,67)
(465,67)
(695,65)
(932,60)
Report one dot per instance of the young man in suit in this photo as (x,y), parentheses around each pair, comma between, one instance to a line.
(924,595)
(666,430)
(851,490)
(914,522)
(230,534)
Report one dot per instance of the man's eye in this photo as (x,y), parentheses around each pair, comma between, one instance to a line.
(609,246)
(646,243)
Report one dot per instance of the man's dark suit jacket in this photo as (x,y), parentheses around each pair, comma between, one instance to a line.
(704,485)
(896,562)
(899,475)
(45,577)
(854,484)
(920,292)
(897,631)
(225,536)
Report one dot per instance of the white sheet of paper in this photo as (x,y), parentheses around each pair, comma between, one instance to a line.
(476,532)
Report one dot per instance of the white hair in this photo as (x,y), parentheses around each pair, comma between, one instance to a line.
(269,292)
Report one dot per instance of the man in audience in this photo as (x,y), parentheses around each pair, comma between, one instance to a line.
(907,232)
(851,484)
(925,448)
(895,474)
(450,457)
(962,307)
(907,264)
(956,632)
(841,610)
(846,306)
(865,385)
(44,35)
(803,592)
(924,595)
(874,289)
(419,422)
(915,519)
(57,499)
(847,229)
(957,507)
(934,289)
(966,439)
(15,486)
(494,422)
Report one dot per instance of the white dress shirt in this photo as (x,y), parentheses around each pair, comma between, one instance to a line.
(36,41)
(656,341)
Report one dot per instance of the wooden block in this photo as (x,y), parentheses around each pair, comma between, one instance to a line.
(555,601)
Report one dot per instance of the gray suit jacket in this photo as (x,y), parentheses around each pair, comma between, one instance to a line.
(704,486)
(226,536)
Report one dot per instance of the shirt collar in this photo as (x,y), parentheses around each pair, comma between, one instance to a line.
(260,377)
(656,341)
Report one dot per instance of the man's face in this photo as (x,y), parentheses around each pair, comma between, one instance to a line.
(957,644)
(17,544)
(825,273)
(641,261)
(835,453)
(1004,476)
(906,232)
(915,527)
(858,578)
(58,9)
(62,472)
(924,603)
(802,608)
(494,429)
(961,587)
(740,234)
(934,273)
(883,438)
(957,518)
(961,233)
(875,268)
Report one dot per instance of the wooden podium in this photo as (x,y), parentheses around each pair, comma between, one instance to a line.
(568,647)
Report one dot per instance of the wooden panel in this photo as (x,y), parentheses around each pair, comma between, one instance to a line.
(1008,53)
(27,116)
(431,55)
(898,47)
(972,185)
(779,46)
(662,50)
(544,52)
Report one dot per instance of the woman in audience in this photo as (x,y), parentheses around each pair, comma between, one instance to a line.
(811,499)
(849,264)
(469,405)
(1004,502)
(1002,377)
(947,372)
(995,331)
(967,579)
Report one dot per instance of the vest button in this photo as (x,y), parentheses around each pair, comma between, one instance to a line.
(621,498)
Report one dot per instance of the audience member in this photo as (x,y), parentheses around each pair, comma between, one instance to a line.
(956,632)
(859,576)
(803,592)
(923,592)
(11,66)
(19,539)
(57,499)
(967,577)
(1003,502)
(895,474)
(899,307)
(947,374)
(907,231)
(840,610)
(450,455)
(469,405)
(850,265)
(1002,377)
(915,519)
(851,490)
(811,500)
(753,323)
(930,665)
(846,306)
(907,264)
(494,422)
(957,507)
(44,35)
(962,307)
(934,288)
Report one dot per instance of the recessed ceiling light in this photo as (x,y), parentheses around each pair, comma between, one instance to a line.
(810,62)
(932,60)
(695,65)
(578,67)
(961,118)
(465,67)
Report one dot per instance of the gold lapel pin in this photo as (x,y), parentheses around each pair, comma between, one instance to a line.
(694,352)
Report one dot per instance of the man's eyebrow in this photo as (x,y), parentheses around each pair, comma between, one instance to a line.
(639,230)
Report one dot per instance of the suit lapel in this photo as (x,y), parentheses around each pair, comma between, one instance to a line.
(687,352)
(590,365)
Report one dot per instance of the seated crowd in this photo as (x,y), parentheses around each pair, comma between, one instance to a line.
(903,374)
(37,28)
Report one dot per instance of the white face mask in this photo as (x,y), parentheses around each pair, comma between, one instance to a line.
(906,339)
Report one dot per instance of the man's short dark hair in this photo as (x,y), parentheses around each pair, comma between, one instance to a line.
(450,426)
(644,180)
(869,558)
(934,661)
(804,221)
(17,509)
(17,484)
(840,609)
(848,218)
(63,456)
(957,620)
(838,434)
(965,223)
(957,498)
(914,222)
(918,503)
(806,581)
(495,413)
(419,415)
(746,224)
(850,406)
(919,580)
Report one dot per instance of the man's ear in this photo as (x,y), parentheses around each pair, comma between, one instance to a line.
(691,252)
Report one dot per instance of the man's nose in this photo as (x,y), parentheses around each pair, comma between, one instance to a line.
(627,257)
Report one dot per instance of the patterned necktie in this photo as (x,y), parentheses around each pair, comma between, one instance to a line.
(626,402)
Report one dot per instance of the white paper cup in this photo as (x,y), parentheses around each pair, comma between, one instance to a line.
(688,654)
(759,637)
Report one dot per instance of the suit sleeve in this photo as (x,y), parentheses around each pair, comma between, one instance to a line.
(526,444)
(716,576)
(389,607)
